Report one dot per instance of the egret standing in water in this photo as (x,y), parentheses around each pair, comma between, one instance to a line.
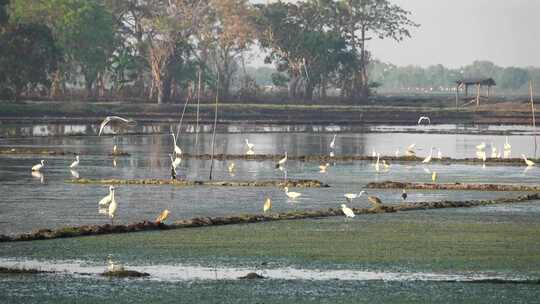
(267,204)
(75,164)
(104,202)
(292,195)
(439,153)
(322,168)
(529,162)
(39,166)
(282,161)
(113,206)
(428,158)
(347,211)
(434,176)
(177,150)
(333,142)
(377,166)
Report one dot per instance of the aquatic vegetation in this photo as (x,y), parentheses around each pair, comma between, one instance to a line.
(454,186)
(301,183)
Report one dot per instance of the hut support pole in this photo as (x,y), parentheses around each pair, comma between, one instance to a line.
(489,87)
(457,96)
(533,115)
(477,95)
(215,124)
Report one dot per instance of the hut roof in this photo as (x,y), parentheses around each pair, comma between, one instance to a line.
(480,81)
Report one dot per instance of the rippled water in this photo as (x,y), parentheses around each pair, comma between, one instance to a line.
(29,202)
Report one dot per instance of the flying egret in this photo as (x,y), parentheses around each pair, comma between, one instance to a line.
(39,166)
(377,166)
(75,164)
(177,150)
(249,145)
(428,158)
(507,145)
(162,217)
(404,195)
(282,161)
(114,120)
(351,196)
(434,176)
(292,195)
(267,204)
(333,142)
(529,163)
(347,211)
(375,202)
(322,168)
(424,118)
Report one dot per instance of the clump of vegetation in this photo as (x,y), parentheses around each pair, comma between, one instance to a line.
(15,270)
(124,273)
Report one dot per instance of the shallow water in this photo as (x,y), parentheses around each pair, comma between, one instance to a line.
(29,202)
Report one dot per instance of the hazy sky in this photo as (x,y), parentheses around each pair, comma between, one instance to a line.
(457,32)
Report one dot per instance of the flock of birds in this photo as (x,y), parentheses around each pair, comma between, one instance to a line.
(109,206)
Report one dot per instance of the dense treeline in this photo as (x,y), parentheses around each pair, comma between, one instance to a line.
(162,49)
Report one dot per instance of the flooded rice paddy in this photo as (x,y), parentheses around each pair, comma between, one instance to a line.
(390,257)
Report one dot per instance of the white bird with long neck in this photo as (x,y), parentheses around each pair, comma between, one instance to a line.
(116,120)
(507,145)
(282,161)
(113,206)
(333,142)
(377,165)
(481,146)
(104,202)
(397,152)
(75,164)
(39,166)
(439,153)
(373,153)
(351,196)
(292,195)
(493,151)
(322,168)
(347,211)
(428,158)
(529,162)
(177,150)
(249,145)
(175,162)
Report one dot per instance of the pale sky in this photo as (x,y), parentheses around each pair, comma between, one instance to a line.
(457,32)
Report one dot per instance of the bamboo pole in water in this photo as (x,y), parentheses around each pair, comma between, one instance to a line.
(533,115)
(215,123)
(198,105)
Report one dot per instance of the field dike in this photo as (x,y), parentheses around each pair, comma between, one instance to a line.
(87,230)
(301,183)
(454,186)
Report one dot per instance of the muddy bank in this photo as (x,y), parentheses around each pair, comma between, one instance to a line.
(51,152)
(454,186)
(301,183)
(87,230)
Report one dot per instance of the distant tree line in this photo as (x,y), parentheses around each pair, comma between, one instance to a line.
(163,49)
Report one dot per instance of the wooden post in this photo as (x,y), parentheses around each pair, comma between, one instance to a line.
(466,90)
(457,96)
(533,115)
(198,105)
(477,94)
(489,87)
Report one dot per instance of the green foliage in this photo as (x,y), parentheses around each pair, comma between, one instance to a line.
(34,43)
(279,80)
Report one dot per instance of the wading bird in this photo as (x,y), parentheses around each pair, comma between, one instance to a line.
(231,167)
(114,267)
(410,150)
(397,153)
(529,163)
(347,211)
(481,146)
(428,158)
(116,120)
(373,153)
(282,161)
(177,150)
(292,195)
(439,154)
(322,168)
(75,164)
(113,206)
(333,142)
(104,202)
(375,202)
(249,145)
(434,176)
(351,196)
(39,175)
(404,195)
(377,166)
(39,166)
(267,204)
(74,174)
(385,164)
(493,151)
(162,217)
(424,118)
(507,145)
(250,152)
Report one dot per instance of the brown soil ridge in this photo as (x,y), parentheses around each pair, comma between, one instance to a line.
(454,186)
(300,183)
(89,230)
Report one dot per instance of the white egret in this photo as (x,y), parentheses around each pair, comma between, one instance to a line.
(250,152)
(249,145)
(162,217)
(404,195)
(481,146)
(439,153)
(424,118)
(347,211)
(74,174)
(351,196)
(177,150)
(397,153)
(377,166)
(332,154)
(507,145)
(114,150)
(114,267)
(322,168)
(333,142)
(434,176)
(113,206)
(493,151)
(231,167)
(104,202)
(282,161)
(267,204)
(39,166)
(75,164)
(373,153)
(114,120)
(428,158)
(529,163)
(385,164)
(292,195)
(39,175)
(410,150)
